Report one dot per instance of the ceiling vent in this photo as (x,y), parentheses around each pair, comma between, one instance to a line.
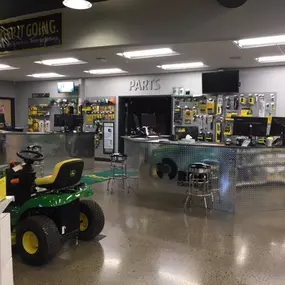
(231,3)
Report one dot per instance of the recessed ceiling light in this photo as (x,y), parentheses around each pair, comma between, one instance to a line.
(7,67)
(149,53)
(185,65)
(261,42)
(46,75)
(269,59)
(61,61)
(105,71)
(77,4)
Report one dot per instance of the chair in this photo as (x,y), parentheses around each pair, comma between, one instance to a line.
(118,164)
(200,175)
(65,174)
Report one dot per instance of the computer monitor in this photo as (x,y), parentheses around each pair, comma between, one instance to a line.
(77,120)
(278,128)
(2,118)
(182,131)
(148,120)
(59,120)
(250,126)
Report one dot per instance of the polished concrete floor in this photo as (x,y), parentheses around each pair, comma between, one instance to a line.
(145,243)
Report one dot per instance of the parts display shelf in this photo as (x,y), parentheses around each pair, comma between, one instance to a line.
(212,116)
(97,111)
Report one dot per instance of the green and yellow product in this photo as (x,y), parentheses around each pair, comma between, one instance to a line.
(246,112)
(269,120)
(203,108)
(2,184)
(211,105)
(242,100)
(218,132)
(188,116)
(209,137)
(228,131)
(251,100)
(230,116)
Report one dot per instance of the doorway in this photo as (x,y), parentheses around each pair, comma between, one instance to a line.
(135,106)
(7,107)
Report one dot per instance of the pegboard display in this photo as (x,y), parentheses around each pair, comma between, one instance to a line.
(214,114)
(195,111)
(261,105)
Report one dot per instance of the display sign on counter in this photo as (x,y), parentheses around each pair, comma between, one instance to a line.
(108,137)
(44,31)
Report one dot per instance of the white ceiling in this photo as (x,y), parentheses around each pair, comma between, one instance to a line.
(214,54)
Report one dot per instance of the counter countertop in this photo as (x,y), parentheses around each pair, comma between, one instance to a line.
(164,141)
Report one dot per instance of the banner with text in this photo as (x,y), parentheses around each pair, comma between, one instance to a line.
(44,31)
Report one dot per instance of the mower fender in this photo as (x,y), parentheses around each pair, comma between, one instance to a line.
(49,201)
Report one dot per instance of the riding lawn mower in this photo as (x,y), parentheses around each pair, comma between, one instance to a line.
(49,210)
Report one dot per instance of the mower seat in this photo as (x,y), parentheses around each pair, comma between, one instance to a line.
(65,174)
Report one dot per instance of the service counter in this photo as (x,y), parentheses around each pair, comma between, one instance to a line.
(251,178)
(56,147)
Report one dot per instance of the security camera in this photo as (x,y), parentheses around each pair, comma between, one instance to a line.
(231,3)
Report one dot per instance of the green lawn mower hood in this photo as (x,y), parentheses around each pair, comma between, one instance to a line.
(49,200)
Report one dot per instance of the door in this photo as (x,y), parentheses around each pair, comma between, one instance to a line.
(7,108)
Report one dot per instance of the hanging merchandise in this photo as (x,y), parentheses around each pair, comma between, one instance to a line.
(251,100)
(242,100)
(262,105)
(211,106)
(220,106)
(236,102)
(228,131)
(228,103)
(203,107)
(218,132)
(246,112)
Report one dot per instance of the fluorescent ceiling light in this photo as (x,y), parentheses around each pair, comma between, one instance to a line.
(7,67)
(261,42)
(61,61)
(148,53)
(105,71)
(185,65)
(46,75)
(269,59)
(77,4)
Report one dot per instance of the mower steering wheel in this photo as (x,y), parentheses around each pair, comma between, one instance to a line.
(30,156)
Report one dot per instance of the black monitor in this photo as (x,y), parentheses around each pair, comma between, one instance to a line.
(250,126)
(278,128)
(220,82)
(148,120)
(59,120)
(182,131)
(77,120)
(2,118)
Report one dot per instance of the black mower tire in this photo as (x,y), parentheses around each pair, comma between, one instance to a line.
(49,240)
(96,219)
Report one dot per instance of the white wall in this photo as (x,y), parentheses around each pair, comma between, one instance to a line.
(24,91)
(120,86)
(7,89)
(267,79)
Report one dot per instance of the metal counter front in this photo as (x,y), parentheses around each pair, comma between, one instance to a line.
(56,147)
(248,178)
